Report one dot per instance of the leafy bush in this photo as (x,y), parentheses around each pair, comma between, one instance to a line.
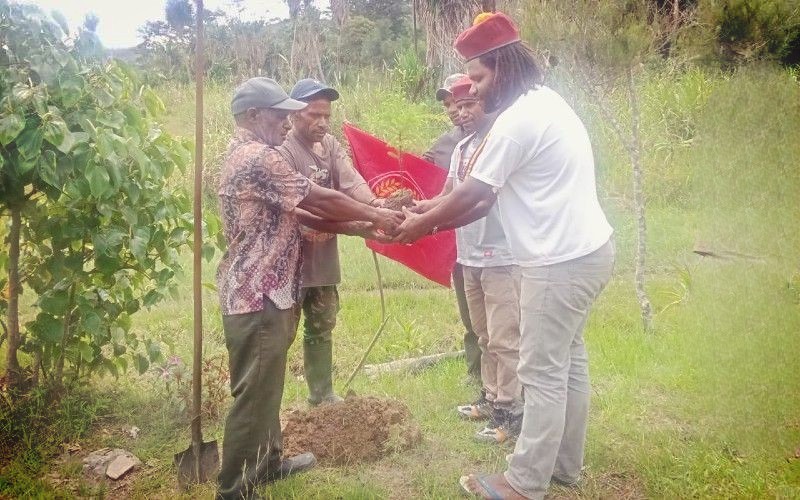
(83,189)
(740,31)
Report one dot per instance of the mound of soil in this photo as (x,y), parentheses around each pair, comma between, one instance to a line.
(360,429)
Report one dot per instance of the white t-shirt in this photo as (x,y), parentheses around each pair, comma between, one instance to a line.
(481,243)
(539,157)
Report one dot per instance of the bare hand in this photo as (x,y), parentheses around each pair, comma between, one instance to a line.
(412,229)
(388,220)
(368,231)
(421,206)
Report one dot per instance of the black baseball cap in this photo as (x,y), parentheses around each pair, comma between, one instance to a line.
(309,89)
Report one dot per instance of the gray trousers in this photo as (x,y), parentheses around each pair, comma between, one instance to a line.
(257,344)
(553,369)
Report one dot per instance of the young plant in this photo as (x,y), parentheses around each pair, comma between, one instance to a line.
(93,228)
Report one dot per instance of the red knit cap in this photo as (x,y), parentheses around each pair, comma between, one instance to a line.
(489,32)
(460,89)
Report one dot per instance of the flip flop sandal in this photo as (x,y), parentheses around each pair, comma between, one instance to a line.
(481,480)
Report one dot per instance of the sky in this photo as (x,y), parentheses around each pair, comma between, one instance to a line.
(120,19)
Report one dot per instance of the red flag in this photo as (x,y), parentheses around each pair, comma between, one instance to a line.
(386,170)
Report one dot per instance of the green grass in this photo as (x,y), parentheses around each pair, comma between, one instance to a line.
(705,406)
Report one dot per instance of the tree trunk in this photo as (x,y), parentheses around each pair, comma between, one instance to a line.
(635,149)
(304,60)
(58,376)
(443,21)
(13,371)
(339,12)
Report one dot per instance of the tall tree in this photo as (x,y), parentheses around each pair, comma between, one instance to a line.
(339,12)
(305,60)
(443,21)
(604,45)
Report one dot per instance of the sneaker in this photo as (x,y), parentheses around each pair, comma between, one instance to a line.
(480,409)
(503,427)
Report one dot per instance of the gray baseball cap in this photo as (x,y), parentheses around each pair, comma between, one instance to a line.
(261,92)
(444,90)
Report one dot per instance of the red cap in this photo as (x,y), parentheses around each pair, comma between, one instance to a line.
(460,89)
(488,33)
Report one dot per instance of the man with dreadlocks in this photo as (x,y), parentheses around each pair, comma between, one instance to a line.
(537,161)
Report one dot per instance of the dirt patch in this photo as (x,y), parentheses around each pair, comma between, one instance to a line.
(360,429)
(401,198)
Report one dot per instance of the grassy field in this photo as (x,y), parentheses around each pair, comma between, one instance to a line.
(707,405)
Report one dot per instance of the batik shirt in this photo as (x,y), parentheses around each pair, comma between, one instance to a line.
(257,195)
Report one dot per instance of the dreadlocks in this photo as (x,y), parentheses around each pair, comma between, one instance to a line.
(515,72)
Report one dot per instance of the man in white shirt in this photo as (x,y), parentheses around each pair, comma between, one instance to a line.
(538,162)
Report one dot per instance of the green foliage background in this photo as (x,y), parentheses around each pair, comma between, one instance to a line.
(85,164)
(702,407)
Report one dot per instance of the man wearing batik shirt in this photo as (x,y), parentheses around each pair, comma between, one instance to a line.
(262,199)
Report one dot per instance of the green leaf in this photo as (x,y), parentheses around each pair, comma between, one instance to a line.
(113,119)
(57,133)
(141,363)
(124,321)
(122,363)
(29,143)
(118,335)
(151,298)
(71,91)
(86,350)
(139,243)
(47,328)
(54,302)
(106,240)
(133,193)
(111,366)
(99,180)
(213,224)
(104,98)
(154,352)
(208,252)
(153,103)
(10,127)
(91,323)
(48,170)
(23,165)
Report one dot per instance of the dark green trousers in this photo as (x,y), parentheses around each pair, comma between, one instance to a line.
(257,344)
(472,350)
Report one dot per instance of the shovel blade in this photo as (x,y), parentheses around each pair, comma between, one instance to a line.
(188,468)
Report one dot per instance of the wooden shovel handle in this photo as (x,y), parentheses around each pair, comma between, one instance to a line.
(197,364)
